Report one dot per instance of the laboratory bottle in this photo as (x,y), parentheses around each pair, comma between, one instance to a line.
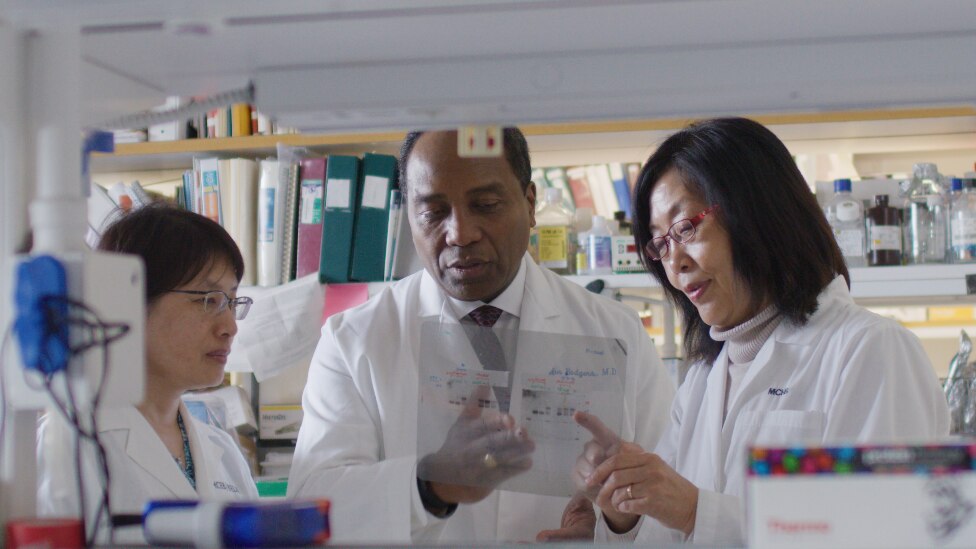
(845,215)
(556,233)
(884,233)
(962,222)
(583,222)
(925,216)
(582,259)
(600,246)
(625,227)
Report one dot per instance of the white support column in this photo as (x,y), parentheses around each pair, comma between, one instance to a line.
(40,135)
(59,211)
(15,167)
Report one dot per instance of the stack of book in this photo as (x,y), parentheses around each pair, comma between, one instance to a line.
(337,216)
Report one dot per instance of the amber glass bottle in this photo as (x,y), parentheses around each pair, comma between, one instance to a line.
(884,233)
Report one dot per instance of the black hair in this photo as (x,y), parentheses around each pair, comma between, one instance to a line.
(175,245)
(513,141)
(782,245)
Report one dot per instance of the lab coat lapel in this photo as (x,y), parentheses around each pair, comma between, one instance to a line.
(711,420)
(762,373)
(767,370)
(205,453)
(432,300)
(540,306)
(146,449)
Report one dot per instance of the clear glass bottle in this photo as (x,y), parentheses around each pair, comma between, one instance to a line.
(884,233)
(846,217)
(962,222)
(556,234)
(925,216)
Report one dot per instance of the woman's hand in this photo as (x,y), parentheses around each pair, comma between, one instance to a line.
(604,445)
(633,483)
(626,482)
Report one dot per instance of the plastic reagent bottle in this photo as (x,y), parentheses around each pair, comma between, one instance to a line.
(556,234)
(846,217)
(582,261)
(962,222)
(925,218)
(599,247)
(884,233)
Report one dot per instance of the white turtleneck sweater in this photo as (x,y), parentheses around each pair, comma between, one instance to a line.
(743,343)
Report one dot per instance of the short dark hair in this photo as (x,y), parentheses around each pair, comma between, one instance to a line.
(782,245)
(516,152)
(175,245)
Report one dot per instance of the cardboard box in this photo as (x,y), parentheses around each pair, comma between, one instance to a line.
(862,496)
(279,422)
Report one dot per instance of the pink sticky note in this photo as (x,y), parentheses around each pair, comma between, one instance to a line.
(339,297)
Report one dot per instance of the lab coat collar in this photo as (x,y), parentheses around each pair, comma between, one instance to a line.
(539,301)
(836,293)
(764,367)
(147,450)
(509,301)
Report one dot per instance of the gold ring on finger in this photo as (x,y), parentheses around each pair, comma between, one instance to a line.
(630,492)
(489,461)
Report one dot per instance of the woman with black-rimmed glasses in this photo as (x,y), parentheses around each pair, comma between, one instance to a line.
(157,450)
(779,354)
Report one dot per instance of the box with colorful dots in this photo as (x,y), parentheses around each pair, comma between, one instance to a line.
(862,496)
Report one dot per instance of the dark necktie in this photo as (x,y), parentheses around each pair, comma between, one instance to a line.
(488,348)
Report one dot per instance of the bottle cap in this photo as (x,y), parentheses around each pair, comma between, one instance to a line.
(842,185)
(582,220)
(925,170)
(956,184)
(881,199)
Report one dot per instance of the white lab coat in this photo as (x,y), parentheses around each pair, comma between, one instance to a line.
(848,375)
(358,440)
(140,466)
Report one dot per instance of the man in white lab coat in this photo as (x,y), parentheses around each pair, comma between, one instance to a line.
(470,219)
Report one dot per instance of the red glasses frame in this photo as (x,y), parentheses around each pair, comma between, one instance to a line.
(652,247)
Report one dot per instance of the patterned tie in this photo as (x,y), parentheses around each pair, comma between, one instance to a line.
(485,316)
(488,348)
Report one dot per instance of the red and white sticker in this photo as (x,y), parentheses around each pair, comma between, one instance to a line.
(479,141)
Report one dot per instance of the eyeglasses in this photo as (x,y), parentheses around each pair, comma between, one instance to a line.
(682,231)
(215,302)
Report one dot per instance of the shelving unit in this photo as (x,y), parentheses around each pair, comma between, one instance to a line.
(888,139)
(904,285)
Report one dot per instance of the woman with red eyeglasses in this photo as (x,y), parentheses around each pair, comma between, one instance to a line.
(779,353)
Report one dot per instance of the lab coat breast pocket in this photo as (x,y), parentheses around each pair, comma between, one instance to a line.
(783,427)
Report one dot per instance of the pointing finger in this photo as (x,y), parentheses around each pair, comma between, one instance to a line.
(602,434)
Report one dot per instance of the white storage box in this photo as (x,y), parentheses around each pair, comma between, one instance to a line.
(860,497)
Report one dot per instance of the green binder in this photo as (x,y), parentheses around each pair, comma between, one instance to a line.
(339,218)
(372,218)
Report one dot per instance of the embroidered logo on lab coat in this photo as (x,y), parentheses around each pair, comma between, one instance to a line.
(226,486)
(774,391)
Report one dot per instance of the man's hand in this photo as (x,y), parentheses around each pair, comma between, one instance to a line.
(578,523)
(481,450)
